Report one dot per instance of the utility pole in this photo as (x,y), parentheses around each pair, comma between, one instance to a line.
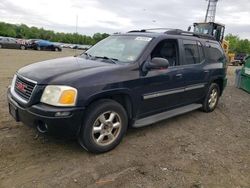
(211,11)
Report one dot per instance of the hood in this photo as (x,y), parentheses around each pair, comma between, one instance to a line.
(46,71)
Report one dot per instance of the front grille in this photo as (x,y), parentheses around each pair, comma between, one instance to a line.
(24,88)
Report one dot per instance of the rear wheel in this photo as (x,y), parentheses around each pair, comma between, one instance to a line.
(104,126)
(38,48)
(0,45)
(211,100)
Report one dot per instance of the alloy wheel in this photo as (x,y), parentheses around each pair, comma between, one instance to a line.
(106,128)
(213,98)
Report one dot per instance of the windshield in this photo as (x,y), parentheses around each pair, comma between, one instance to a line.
(120,48)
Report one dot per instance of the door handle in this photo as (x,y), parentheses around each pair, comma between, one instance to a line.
(179,76)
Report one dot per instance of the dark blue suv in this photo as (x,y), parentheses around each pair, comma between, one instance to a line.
(133,79)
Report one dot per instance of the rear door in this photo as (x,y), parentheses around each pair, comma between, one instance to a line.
(13,44)
(195,73)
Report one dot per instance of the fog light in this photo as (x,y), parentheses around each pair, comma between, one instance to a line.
(61,114)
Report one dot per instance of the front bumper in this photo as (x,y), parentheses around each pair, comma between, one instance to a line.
(68,122)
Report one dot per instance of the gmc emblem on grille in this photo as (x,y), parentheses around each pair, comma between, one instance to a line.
(20,86)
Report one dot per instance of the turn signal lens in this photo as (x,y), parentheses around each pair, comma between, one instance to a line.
(68,97)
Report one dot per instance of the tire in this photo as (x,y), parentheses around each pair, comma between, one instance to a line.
(22,47)
(38,48)
(104,126)
(0,45)
(211,100)
(56,49)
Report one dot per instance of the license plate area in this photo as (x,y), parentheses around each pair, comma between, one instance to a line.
(13,111)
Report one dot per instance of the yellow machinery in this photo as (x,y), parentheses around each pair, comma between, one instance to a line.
(209,27)
(216,30)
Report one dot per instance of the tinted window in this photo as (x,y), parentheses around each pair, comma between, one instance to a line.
(214,52)
(191,52)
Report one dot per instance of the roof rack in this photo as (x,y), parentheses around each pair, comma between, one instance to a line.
(187,33)
(151,29)
(171,31)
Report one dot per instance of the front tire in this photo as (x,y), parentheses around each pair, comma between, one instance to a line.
(211,100)
(104,126)
(22,47)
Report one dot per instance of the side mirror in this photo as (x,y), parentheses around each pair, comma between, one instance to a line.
(189,28)
(157,63)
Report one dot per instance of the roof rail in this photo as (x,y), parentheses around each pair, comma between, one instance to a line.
(187,33)
(151,29)
(171,31)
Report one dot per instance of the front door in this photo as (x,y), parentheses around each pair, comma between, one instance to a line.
(162,89)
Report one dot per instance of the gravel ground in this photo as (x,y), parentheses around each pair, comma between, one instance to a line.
(192,150)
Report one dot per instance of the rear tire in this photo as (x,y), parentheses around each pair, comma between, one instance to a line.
(104,126)
(0,45)
(211,100)
(38,48)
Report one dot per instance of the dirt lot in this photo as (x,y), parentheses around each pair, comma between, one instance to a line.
(192,150)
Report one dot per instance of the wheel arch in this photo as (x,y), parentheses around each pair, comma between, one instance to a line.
(219,82)
(123,97)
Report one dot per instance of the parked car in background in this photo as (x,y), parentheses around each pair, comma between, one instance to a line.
(82,47)
(240,57)
(45,45)
(30,44)
(22,41)
(66,45)
(11,43)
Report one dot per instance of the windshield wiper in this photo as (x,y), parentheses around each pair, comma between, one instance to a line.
(88,55)
(113,60)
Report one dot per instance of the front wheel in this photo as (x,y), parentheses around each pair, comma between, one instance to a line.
(104,126)
(211,100)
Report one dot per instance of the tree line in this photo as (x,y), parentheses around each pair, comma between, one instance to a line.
(25,32)
(237,45)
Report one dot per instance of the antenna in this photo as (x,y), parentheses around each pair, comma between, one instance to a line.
(211,11)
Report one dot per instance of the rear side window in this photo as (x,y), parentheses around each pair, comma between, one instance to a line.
(214,52)
(191,52)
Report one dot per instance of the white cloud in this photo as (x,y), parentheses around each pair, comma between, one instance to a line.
(119,15)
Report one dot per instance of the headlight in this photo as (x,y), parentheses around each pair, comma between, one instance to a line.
(59,95)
